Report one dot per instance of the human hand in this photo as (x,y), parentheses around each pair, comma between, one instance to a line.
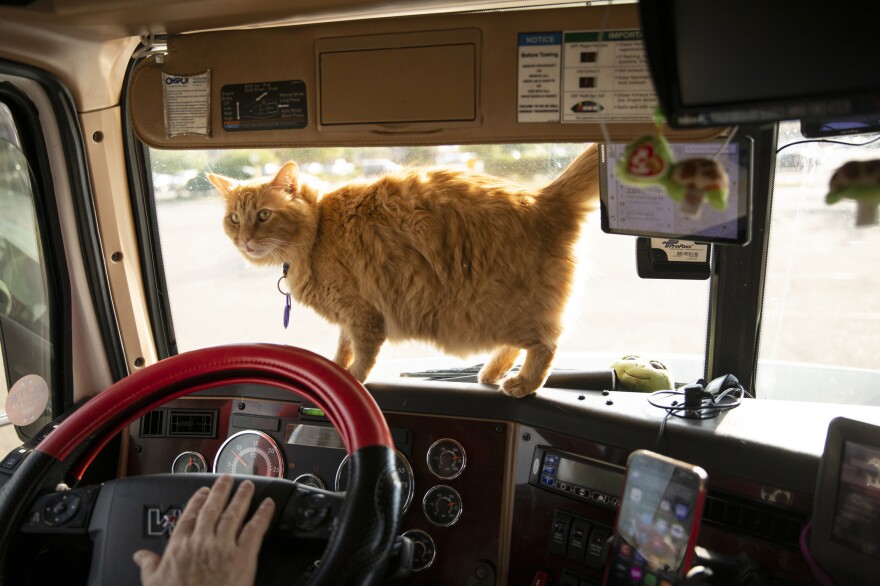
(209,545)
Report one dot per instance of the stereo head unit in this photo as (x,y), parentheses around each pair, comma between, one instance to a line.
(577,477)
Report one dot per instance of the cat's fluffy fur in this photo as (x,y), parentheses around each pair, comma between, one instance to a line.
(470,263)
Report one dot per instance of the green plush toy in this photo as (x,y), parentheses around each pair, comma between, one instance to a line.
(859,181)
(643,375)
(648,160)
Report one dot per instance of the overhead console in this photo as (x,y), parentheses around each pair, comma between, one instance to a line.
(559,74)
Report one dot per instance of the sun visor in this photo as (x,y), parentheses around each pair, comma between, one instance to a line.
(556,75)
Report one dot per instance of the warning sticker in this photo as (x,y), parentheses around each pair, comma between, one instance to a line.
(268,105)
(540,60)
(597,76)
(187,103)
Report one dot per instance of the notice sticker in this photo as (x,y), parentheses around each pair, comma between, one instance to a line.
(187,104)
(266,105)
(27,400)
(540,62)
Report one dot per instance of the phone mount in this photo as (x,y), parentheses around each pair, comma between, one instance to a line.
(712,568)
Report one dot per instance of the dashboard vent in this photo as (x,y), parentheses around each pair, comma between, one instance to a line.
(753,518)
(153,424)
(192,423)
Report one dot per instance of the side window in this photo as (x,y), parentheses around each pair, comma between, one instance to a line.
(25,330)
(821,310)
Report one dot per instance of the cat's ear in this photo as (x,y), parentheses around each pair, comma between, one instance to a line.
(287,178)
(224,185)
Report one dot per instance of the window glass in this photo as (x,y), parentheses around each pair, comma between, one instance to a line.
(25,341)
(819,337)
(217,297)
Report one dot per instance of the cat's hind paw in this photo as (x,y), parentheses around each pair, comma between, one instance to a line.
(518,387)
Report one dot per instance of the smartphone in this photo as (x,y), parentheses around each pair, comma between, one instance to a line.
(658,521)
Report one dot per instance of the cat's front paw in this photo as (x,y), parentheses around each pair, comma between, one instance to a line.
(517,386)
(489,375)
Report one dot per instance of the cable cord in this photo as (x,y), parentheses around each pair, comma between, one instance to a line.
(701,401)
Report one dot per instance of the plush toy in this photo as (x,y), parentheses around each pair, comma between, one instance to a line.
(859,181)
(643,375)
(693,180)
(648,160)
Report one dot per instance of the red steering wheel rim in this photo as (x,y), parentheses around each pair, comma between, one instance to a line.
(343,399)
(368,520)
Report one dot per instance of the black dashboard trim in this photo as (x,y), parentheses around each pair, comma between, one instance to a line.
(774,443)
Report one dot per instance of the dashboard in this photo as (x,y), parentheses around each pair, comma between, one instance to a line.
(453,469)
(503,491)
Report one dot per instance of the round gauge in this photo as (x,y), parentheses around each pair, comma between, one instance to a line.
(309,480)
(404,472)
(250,452)
(424,550)
(442,505)
(446,458)
(189,463)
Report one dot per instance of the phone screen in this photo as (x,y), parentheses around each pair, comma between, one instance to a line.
(657,522)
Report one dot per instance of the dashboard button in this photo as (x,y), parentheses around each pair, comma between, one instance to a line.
(577,539)
(559,533)
(597,546)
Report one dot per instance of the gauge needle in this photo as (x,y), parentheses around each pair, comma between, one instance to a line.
(239,458)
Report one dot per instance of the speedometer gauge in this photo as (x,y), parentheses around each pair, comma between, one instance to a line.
(250,452)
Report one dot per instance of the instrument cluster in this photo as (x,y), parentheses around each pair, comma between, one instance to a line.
(254,452)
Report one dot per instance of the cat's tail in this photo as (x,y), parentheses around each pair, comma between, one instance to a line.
(576,190)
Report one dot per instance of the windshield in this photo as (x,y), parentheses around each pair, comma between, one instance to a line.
(217,297)
(820,314)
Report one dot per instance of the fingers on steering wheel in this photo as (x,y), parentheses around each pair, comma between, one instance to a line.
(251,536)
(206,522)
(190,514)
(236,511)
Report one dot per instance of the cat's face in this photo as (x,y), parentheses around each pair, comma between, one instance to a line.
(263,218)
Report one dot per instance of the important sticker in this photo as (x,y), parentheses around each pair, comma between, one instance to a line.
(187,104)
(267,105)
(27,400)
(606,77)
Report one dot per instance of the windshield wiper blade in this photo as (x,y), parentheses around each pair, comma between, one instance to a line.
(584,380)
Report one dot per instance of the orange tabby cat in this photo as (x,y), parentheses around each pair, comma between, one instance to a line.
(470,263)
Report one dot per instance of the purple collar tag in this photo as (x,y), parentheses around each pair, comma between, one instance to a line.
(287,311)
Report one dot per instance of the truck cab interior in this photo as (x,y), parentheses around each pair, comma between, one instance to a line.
(142,356)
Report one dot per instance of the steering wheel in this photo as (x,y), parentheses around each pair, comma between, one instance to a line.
(359,528)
